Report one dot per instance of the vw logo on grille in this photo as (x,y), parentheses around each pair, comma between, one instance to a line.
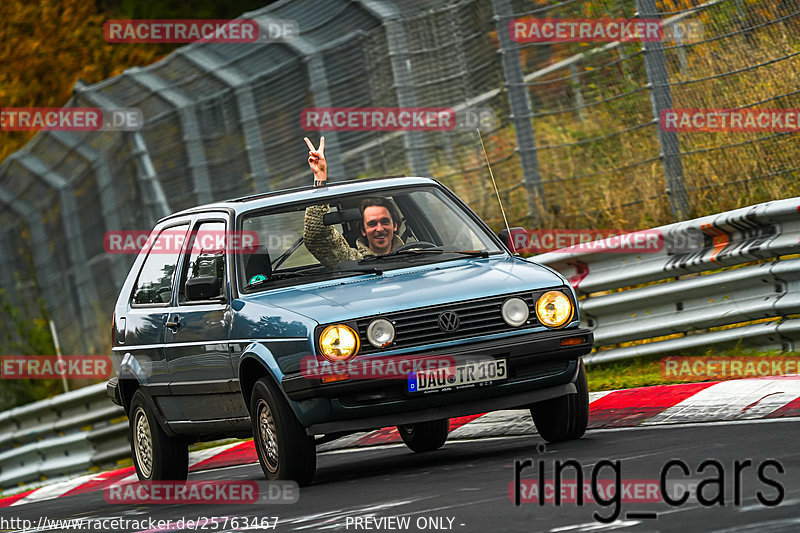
(448,321)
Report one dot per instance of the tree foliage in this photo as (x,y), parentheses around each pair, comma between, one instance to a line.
(20,335)
(45,47)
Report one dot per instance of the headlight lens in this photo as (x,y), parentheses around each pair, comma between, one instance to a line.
(338,342)
(380,333)
(554,309)
(515,311)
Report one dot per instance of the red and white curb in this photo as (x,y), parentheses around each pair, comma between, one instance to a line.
(745,399)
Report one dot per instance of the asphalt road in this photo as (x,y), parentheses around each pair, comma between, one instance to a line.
(464,487)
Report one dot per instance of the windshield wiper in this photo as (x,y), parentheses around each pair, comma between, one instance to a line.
(300,273)
(424,251)
(363,270)
(283,275)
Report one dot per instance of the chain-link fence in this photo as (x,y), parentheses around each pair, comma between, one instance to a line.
(571,128)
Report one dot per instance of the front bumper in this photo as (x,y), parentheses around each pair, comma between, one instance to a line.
(524,353)
(539,368)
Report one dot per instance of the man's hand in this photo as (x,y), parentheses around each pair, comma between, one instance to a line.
(316,160)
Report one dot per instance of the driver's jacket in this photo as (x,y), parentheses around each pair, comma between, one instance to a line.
(328,245)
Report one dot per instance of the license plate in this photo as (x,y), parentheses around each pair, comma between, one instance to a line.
(465,375)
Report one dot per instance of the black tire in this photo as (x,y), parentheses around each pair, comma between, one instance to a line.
(566,417)
(156,456)
(425,436)
(284,450)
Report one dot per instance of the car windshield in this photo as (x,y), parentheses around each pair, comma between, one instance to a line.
(429,227)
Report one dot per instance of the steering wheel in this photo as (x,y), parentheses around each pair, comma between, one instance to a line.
(417,245)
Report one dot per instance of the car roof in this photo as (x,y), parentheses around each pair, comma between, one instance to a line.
(297,194)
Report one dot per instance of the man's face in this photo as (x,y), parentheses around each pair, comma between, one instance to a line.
(379,229)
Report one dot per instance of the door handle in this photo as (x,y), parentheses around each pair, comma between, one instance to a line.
(174,323)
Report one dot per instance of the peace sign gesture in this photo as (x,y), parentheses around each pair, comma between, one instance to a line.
(316,160)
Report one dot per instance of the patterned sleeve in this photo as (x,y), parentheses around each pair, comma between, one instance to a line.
(324,242)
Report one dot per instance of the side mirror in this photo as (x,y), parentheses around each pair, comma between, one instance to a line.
(516,241)
(202,288)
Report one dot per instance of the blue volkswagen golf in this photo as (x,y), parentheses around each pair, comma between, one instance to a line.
(261,332)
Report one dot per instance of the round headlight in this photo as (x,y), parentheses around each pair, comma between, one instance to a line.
(338,342)
(380,333)
(515,311)
(554,309)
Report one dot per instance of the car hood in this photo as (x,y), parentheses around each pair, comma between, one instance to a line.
(408,288)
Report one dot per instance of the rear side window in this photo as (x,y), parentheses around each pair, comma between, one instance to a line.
(154,285)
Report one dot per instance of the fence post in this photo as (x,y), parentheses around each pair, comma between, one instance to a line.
(7,280)
(246,105)
(109,206)
(576,87)
(186,110)
(49,281)
(153,196)
(521,110)
(681,49)
(661,99)
(318,85)
(85,289)
(402,76)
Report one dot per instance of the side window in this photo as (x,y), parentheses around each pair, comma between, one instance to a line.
(155,279)
(206,256)
(451,224)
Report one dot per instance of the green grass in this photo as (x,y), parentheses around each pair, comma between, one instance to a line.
(646,371)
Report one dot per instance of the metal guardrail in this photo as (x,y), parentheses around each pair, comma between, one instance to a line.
(628,297)
(68,433)
(703,297)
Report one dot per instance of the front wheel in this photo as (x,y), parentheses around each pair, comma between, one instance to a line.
(565,417)
(284,450)
(156,456)
(425,436)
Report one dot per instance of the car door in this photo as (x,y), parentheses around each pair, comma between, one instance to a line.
(197,332)
(148,309)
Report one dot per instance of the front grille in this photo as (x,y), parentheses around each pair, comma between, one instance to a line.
(420,326)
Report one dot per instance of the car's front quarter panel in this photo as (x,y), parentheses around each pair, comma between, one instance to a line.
(271,341)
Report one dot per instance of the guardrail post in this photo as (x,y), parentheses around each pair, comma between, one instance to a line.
(521,110)
(661,99)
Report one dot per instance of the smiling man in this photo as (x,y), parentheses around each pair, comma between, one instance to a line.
(379,223)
